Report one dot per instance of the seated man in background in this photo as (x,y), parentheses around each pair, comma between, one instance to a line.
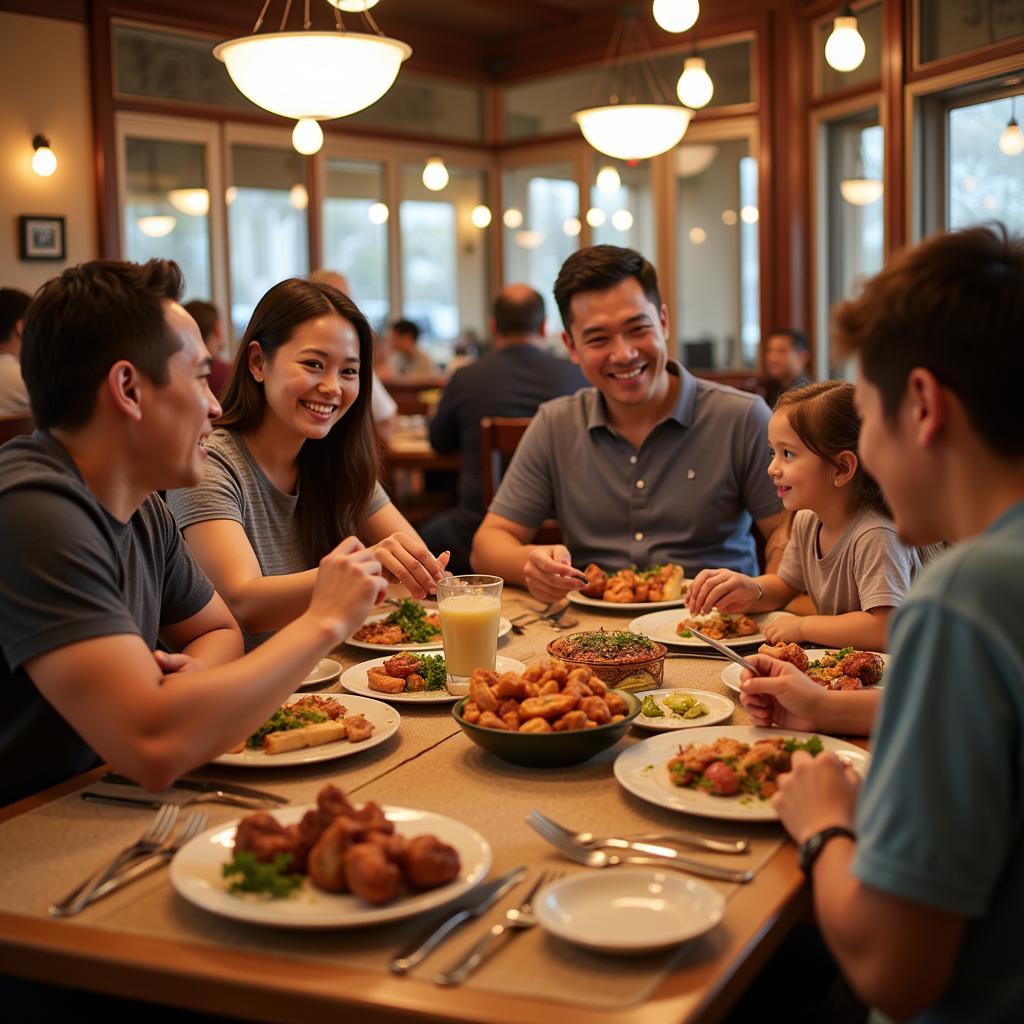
(513,379)
(212,330)
(13,396)
(787,355)
(917,878)
(649,465)
(406,360)
(95,571)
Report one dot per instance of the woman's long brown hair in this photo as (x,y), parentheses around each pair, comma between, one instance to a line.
(337,473)
(825,418)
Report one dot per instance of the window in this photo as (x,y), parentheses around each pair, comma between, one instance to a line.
(541,217)
(267,231)
(355,233)
(947,29)
(718,265)
(622,215)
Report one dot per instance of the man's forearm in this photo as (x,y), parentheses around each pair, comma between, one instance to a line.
(497,553)
(216,647)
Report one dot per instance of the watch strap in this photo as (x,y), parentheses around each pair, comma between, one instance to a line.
(810,849)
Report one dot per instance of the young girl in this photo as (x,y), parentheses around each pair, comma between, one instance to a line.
(292,466)
(843,551)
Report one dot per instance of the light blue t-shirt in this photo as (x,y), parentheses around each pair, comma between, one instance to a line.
(940,821)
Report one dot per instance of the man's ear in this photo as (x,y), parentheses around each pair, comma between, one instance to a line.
(124,387)
(928,405)
(663,317)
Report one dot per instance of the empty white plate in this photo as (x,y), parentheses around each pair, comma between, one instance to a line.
(629,910)
(326,671)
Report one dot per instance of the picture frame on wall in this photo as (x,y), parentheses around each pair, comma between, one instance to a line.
(41,237)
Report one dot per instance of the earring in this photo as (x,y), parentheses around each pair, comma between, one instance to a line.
(836,482)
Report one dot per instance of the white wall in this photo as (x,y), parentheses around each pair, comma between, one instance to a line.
(45,90)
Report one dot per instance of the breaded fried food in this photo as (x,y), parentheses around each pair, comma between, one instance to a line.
(370,875)
(402,665)
(793,653)
(428,863)
(326,861)
(358,728)
(863,665)
(379,680)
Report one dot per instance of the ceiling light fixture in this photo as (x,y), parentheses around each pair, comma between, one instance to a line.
(596,217)
(698,236)
(862,188)
(157,226)
(513,218)
(193,202)
(313,75)
(749,214)
(608,181)
(695,87)
(307,136)
(480,216)
(435,174)
(1011,142)
(629,126)
(353,6)
(844,48)
(378,213)
(298,196)
(44,160)
(676,15)
(729,217)
(572,226)
(622,220)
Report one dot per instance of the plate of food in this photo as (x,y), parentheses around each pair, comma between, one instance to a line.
(411,626)
(330,864)
(725,771)
(309,728)
(670,627)
(842,669)
(326,671)
(630,590)
(668,709)
(409,678)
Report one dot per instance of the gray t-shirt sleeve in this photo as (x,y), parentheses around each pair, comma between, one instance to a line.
(60,583)
(791,568)
(756,488)
(185,590)
(378,500)
(883,567)
(526,494)
(219,495)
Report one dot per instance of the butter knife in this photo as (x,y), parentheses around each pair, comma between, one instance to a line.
(204,786)
(487,895)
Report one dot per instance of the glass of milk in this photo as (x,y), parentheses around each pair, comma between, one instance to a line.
(470,608)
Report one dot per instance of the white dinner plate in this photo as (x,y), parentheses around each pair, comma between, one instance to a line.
(731,672)
(354,680)
(719,709)
(196,875)
(504,626)
(629,606)
(643,771)
(662,626)
(326,671)
(385,721)
(629,910)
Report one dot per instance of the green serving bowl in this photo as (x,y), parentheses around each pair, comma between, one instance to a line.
(549,749)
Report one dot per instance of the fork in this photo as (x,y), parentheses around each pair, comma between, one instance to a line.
(641,843)
(215,797)
(516,919)
(192,826)
(150,841)
(600,859)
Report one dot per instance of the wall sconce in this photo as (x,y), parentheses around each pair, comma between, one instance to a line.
(44,160)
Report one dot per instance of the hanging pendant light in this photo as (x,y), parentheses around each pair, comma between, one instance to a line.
(435,174)
(193,202)
(311,74)
(157,225)
(695,87)
(1011,142)
(608,180)
(844,48)
(676,15)
(307,136)
(861,188)
(627,126)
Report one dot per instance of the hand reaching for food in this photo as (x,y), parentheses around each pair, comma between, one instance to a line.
(348,584)
(782,695)
(817,793)
(724,589)
(407,560)
(550,574)
(785,629)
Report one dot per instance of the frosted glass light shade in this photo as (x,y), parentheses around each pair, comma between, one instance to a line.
(608,180)
(676,15)
(320,75)
(861,191)
(435,174)
(44,161)
(193,202)
(353,6)
(157,226)
(844,48)
(633,131)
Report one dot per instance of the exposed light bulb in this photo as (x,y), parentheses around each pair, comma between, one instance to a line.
(749,214)
(595,217)
(378,213)
(622,220)
(44,160)
(1011,142)
(307,136)
(480,216)
(729,217)
(193,202)
(676,15)
(695,87)
(609,180)
(298,197)
(513,218)
(698,236)
(157,225)
(572,226)
(230,194)
(435,174)
(844,48)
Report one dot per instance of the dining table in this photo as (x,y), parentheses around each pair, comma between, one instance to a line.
(147,942)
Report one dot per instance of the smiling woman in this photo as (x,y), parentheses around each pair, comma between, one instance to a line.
(293,464)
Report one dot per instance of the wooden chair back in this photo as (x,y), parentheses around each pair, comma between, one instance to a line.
(12,426)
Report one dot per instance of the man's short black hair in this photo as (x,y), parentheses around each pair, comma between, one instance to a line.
(599,268)
(13,304)
(799,340)
(517,316)
(81,323)
(406,327)
(205,315)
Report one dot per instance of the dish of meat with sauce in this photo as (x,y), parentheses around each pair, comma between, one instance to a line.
(845,669)
(404,862)
(359,679)
(644,771)
(660,586)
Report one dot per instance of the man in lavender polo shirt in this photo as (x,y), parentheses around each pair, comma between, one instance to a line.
(649,465)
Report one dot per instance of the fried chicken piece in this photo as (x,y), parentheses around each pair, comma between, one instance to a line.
(480,691)
(863,665)
(379,633)
(402,665)
(394,845)
(571,721)
(596,709)
(326,861)
(510,686)
(264,837)
(304,835)
(358,728)
(331,803)
(429,863)
(370,875)
(383,683)
(616,704)
(373,818)
(596,581)
(489,720)
(535,725)
(846,683)
(793,653)
(415,683)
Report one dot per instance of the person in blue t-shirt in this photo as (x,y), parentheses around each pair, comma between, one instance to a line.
(918,880)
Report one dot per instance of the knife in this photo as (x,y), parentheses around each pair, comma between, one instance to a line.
(487,895)
(722,649)
(204,786)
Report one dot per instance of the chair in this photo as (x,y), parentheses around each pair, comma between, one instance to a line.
(499,438)
(12,426)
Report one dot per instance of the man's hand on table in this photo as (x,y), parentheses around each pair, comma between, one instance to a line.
(550,574)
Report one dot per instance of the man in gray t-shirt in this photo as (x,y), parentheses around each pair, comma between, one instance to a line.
(649,465)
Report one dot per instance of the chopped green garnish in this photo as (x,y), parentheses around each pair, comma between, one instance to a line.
(410,617)
(651,709)
(813,746)
(647,769)
(255,876)
(433,670)
(684,632)
(612,643)
(284,719)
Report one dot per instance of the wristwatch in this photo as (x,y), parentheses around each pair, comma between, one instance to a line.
(810,849)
